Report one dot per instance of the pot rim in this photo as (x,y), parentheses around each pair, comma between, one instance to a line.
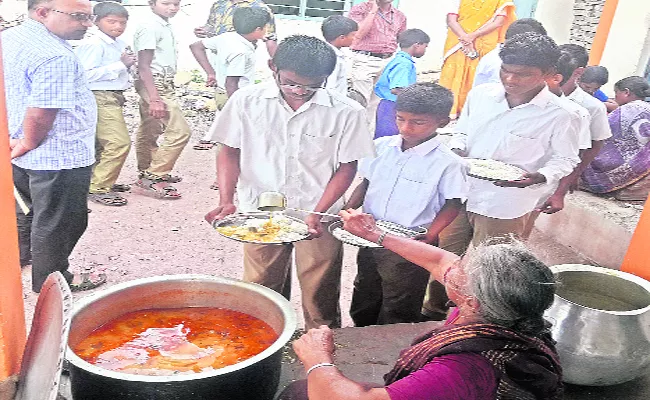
(606,271)
(288,314)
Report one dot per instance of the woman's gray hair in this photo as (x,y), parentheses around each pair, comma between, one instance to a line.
(513,288)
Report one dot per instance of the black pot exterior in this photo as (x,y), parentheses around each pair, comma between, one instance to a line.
(256,382)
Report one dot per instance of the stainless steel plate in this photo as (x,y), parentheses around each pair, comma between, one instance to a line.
(336,229)
(243,219)
(516,170)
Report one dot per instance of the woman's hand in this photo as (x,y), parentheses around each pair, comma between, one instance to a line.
(315,346)
(467,39)
(360,224)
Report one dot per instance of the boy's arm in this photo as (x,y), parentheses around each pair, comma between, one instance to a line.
(228,171)
(446,216)
(358,196)
(232,84)
(91,56)
(157,108)
(337,186)
(201,56)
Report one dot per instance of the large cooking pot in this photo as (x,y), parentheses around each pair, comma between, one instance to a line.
(256,378)
(601,322)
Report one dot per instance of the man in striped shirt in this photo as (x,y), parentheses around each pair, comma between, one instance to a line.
(52,117)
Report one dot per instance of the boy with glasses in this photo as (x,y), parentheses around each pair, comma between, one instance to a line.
(293,137)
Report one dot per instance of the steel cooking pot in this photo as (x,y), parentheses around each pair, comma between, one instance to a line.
(254,378)
(601,322)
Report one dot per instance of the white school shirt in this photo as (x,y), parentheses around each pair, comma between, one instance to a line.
(599,124)
(100,56)
(235,56)
(156,34)
(338,80)
(410,187)
(538,136)
(488,69)
(292,152)
(581,123)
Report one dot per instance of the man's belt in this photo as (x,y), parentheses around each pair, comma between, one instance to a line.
(371,54)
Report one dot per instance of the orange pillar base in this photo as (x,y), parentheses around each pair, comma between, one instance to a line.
(12,312)
(637,259)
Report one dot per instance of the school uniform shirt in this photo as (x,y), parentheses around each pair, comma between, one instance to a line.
(100,56)
(399,73)
(538,136)
(488,69)
(233,56)
(581,121)
(410,187)
(156,34)
(599,125)
(293,152)
(338,80)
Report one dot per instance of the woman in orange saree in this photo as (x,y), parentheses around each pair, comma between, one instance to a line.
(476,27)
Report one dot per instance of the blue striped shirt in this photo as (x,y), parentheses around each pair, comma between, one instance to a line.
(42,71)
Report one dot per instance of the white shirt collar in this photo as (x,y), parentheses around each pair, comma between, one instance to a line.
(105,37)
(159,19)
(578,95)
(422,149)
(540,100)
(339,52)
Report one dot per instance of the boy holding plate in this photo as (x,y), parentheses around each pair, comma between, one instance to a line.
(415,180)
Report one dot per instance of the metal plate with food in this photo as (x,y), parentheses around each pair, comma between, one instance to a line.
(336,229)
(493,170)
(262,228)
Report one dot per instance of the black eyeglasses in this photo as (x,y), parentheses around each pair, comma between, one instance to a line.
(81,17)
(295,87)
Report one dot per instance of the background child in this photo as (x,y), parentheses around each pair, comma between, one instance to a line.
(160,113)
(106,61)
(339,31)
(592,80)
(398,74)
(415,180)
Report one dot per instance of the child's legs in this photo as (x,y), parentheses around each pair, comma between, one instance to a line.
(175,136)
(386,119)
(146,139)
(113,141)
(403,287)
(366,296)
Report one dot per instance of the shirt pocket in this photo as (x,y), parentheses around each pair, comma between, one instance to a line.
(520,148)
(413,193)
(317,149)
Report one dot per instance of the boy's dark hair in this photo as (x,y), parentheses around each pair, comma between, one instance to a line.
(579,54)
(524,25)
(532,50)
(247,19)
(106,8)
(307,56)
(410,37)
(635,84)
(425,98)
(595,74)
(338,25)
(566,66)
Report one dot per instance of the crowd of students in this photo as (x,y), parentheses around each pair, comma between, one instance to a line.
(307,133)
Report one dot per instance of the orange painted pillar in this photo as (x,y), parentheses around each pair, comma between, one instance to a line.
(12,311)
(602,32)
(637,259)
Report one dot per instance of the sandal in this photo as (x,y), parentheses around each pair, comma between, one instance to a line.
(204,145)
(87,283)
(108,199)
(164,178)
(120,187)
(158,189)
(171,178)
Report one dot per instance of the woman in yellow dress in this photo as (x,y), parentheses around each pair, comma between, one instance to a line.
(476,27)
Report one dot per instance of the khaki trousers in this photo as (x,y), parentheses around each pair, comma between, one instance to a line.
(470,228)
(159,159)
(318,265)
(365,73)
(112,144)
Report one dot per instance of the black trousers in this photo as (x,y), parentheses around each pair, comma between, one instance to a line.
(58,217)
(388,289)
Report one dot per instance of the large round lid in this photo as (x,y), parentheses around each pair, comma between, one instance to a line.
(45,350)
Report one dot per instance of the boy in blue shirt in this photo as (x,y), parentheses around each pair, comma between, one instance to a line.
(414,181)
(398,74)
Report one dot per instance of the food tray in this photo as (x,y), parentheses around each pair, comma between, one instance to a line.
(297,229)
(480,169)
(336,229)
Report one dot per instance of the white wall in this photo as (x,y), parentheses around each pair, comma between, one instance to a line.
(557,17)
(626,52)
(430,16)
